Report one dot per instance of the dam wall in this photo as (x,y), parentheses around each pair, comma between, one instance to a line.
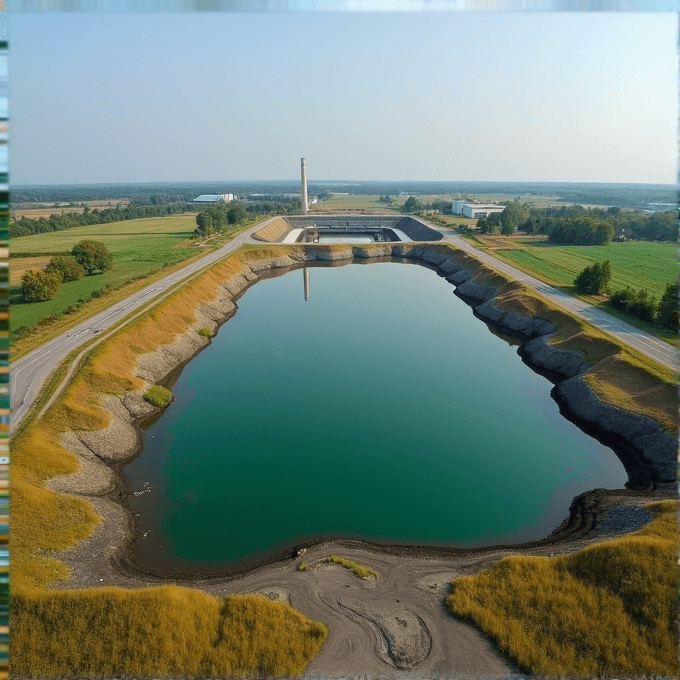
(275,231)
(411,226)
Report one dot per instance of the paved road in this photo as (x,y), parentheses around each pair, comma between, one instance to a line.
(644,342)
(30,372)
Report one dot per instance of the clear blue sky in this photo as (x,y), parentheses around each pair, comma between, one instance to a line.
(366,96)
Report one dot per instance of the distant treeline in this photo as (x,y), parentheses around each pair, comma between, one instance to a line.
(582,226)
(575,224)
(219,217)
(577,192)
(26,227)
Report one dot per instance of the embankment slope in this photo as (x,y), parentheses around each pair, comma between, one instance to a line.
(72,453)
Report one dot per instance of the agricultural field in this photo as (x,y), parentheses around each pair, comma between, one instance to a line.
(139,248)
(355,202)
(639,264)
(62,209)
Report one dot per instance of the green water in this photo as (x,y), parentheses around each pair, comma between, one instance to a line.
(379,408)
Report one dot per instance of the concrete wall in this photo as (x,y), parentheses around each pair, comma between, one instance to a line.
(411,226)
(275,231)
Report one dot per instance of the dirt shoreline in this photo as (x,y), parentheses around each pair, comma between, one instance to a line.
(395,616)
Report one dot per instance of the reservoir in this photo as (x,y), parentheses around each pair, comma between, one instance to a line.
(379,408)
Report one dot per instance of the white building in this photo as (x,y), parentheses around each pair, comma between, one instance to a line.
(215,198)
(475,210)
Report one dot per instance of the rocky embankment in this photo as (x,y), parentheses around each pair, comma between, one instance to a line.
(397,622)
(646,449)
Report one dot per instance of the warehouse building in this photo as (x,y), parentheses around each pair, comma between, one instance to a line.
(210,199)
(475,210)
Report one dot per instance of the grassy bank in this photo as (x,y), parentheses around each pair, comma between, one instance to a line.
(167,631)
(607,609)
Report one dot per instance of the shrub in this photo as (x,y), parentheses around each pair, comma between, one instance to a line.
(620,299)
(302,566)
(158,396)
(643,307)
(67,267)
(205,332)
(40,285)
(594,278)
(93,256)
(358,569)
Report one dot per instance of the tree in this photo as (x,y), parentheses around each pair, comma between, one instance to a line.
(411,204)
(594,278)
(604,234)
(93,256)
(661,226)
(529,226)
(667,314)
(513,215)
(236,213)
(621,299)
(204,223)
(68,268)
(493,222)
(643,306)
(40,285)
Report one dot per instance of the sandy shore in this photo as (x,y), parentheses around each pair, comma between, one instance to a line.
(398,622)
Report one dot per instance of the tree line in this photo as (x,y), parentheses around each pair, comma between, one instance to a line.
(221,216)
(594,279)
(582,226)
(26,226)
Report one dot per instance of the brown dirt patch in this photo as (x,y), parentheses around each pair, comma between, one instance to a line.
(20,265)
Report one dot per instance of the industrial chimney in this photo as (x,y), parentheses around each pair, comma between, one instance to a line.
(303,165)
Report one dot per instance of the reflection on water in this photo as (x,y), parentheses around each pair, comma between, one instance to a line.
(349,238)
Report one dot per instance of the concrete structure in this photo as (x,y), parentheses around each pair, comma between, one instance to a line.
(474,210)
(303,192)
(211,199)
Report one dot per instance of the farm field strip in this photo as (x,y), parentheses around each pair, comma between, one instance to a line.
(139,248)
(639,265)
(26,386)
(639,339)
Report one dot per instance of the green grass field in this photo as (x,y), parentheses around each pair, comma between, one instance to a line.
(139,248)
(357,202)
(637,264)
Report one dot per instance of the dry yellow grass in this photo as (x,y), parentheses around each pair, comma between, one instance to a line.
(275,230)
(607,609)
(358,569)
(166,631)
(20,265)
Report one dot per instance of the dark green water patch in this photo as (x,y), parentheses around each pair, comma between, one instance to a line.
(380,408)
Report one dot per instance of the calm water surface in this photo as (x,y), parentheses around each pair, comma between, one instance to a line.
(380,408)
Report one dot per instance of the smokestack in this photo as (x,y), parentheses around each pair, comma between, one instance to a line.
(305,205)
(306,278)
